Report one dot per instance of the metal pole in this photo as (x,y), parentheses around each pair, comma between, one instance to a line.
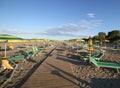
(5,50)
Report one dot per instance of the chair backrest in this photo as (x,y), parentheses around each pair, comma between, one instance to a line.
(6,65)
(93,61)
(36,48)
(100,55)
(29,51)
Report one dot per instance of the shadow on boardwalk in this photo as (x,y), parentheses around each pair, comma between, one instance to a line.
(19,85)
(57,72)
(73,59)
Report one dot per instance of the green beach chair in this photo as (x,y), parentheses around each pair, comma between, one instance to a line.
(35,51)
(40,50)
(86,58)
(29,52)
(17,57)
(43,49)
(23,56)
(97,56)
(105,64)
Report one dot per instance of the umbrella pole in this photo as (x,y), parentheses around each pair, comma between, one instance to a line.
(5,51)
(89,56)
(77,48)
(90,53)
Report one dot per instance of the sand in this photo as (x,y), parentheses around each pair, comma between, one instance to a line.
(86,74)
(89,76)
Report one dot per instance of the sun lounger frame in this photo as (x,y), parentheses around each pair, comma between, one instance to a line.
(105,64)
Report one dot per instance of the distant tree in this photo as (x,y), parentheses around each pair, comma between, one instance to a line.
(96,38)
(102,35)
(114,35)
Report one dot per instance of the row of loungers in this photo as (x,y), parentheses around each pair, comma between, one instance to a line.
(95,59)
(11,66)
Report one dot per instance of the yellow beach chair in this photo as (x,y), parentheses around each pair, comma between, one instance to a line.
(6,65)
(7,68)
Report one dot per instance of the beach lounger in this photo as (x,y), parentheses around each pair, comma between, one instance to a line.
(42,49)
(17,57)
(97,56)
(9,69)
(82,50)
(35,51)
(86,58)
(29,51)
(27,55)
(114,48)
(105,64)
(38,51)
(6,65)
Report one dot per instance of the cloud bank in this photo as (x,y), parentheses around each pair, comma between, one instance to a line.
(73,30)
(81,29)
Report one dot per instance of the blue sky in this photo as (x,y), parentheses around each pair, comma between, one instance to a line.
(58,19)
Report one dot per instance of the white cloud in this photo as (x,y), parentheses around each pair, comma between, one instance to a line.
(14,31)
(91,15)
(18,32)
(73,30)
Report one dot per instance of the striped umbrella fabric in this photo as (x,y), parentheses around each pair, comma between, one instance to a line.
(9,38)
(90,48)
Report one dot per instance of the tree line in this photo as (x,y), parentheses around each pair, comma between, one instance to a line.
(113,36)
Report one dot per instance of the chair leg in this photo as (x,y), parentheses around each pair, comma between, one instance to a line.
(9,79)
(118,70)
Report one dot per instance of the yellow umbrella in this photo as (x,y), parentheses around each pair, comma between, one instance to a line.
(90,48)
(79,40)
(106,40)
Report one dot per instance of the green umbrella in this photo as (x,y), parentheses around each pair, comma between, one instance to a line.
(6,38)
(9,37)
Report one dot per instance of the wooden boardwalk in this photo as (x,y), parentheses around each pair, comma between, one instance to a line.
(52,73)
